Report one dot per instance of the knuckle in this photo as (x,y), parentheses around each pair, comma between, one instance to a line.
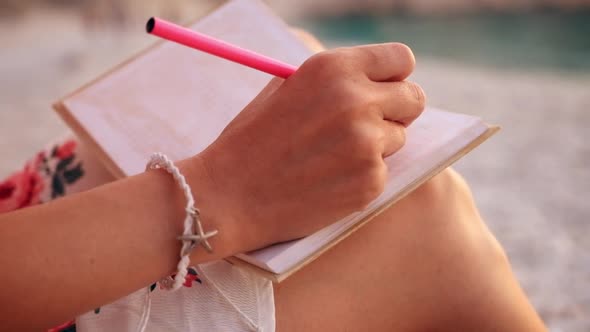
(344,55)
(318,64)
(398,137)
(328,63)
(323,59)
(372,183)
(377,175)
(363,137)
(354,102)
(352,95)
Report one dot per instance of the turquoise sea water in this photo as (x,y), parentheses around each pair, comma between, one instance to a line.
(543,40)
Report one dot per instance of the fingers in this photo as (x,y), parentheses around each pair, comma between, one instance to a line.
(401,102)
(384,62)
(393,136)
(367,81)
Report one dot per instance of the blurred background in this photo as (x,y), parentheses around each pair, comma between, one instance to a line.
(523,64)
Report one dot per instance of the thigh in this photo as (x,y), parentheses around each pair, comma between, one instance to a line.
(425,263)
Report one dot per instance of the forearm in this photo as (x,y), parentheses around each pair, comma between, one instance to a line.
(77,253)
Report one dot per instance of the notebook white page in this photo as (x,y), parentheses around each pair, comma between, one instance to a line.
(431,140)
(175,99)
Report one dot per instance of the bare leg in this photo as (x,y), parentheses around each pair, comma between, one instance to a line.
(427,263)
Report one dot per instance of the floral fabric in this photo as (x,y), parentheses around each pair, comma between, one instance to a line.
(44,177)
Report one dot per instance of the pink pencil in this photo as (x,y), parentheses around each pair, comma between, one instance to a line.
(199,41)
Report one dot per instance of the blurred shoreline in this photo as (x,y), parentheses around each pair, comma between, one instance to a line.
(121,10)
(538,40)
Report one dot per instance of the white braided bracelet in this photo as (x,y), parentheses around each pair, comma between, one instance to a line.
(193,233)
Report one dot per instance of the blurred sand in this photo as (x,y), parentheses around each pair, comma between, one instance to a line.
(531,181)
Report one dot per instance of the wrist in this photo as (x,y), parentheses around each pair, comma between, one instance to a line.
(214,215)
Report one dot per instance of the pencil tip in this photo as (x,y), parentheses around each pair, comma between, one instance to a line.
(151,23)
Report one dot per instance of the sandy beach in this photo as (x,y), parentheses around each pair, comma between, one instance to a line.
(531,181)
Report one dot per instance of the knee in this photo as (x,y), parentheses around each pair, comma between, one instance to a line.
(446,190)
(450,218)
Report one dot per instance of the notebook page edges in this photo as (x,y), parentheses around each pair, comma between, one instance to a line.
(433,138)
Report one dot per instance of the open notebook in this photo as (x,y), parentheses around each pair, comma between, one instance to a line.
(177,100)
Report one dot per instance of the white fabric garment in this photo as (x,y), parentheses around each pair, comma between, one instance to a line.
(229,299)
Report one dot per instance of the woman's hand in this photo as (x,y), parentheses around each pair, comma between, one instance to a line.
(309,150)
(303,154)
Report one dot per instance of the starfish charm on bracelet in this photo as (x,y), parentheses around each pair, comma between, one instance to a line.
(199,236)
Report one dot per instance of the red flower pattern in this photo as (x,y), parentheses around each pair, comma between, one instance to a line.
(190,277)
(22,188)
(66,150)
